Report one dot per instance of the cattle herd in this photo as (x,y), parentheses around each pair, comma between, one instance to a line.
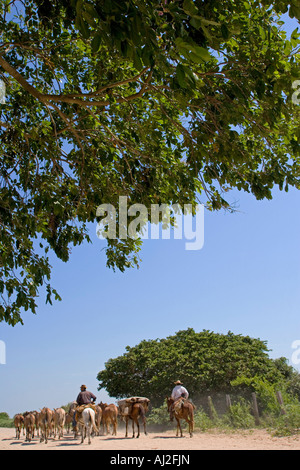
(53,423)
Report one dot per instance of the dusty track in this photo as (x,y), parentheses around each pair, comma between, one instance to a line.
(244,440)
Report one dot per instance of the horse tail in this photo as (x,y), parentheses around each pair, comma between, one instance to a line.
(92,417)
(142,412)
(47,418)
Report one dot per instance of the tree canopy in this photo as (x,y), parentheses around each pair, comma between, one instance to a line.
(206,362)
(163,102)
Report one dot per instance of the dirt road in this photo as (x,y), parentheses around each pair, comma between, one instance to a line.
(244,440)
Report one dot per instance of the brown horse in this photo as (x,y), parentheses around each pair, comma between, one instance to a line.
(29,422)
(19,424)
(136,411)
(70,419)
(109,417)
(182,409)
(45,423)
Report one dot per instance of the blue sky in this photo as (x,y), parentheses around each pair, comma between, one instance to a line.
(245,279)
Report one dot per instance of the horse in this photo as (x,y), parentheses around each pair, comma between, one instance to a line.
(19,424)
(98,418)
(37,423)
(109,416)
(45,423)
(136,411)
(70,419)
(86,423)
(59,421)
(182,409)
(29,422)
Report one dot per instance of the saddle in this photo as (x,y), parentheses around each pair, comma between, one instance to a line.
(177,405)
(79,409)
(125,405)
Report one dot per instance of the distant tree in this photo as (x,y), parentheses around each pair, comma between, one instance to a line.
(6,421)
(205,362)
(162,102)
(290,375)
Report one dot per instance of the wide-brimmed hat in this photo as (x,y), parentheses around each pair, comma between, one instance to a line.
(83,387)
(178,382)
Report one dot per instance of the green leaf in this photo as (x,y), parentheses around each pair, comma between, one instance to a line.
(192,51)
(96,41)
(190,8)
(225,31)
(184,76)
(83,28)
(180,76)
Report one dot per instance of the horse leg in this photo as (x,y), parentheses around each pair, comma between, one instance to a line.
(191,426)
(178,428)
(80,432)
(138,426)
(126,421)
(89,433)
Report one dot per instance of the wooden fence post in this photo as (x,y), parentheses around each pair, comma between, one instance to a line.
(255,409)
(280,401)
(212,411)
(228,402)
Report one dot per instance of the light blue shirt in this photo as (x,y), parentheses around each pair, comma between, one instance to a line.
(178,391)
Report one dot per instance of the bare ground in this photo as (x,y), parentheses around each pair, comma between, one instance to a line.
(243,440)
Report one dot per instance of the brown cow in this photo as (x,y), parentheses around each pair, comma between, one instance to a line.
(109,417)
(45,422)
(19,424)
(29,422)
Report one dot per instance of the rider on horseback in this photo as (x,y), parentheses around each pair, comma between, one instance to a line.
(178,392)
(84,398)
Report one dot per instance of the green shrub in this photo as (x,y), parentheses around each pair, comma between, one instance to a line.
(289,423)
(159,418)
(202,421)
(239,416)
(6,421)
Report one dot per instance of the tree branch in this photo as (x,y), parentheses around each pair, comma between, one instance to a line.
(69,98)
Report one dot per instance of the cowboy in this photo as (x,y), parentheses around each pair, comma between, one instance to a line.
(179,391)
(84,398)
